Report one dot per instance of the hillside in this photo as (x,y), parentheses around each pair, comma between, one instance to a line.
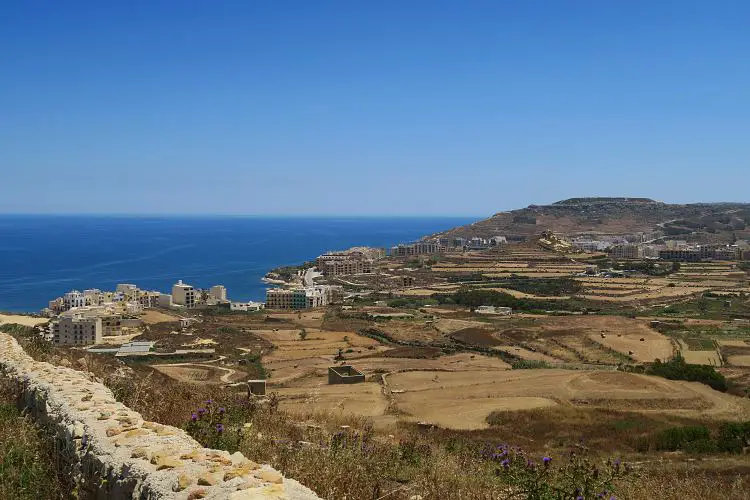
(706,222)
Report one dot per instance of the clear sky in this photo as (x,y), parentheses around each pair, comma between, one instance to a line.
(370,107)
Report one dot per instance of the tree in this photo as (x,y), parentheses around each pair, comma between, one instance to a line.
(303,334)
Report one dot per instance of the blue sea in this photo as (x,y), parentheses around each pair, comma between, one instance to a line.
(42,257)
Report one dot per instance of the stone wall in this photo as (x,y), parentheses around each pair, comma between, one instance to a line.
(111,452)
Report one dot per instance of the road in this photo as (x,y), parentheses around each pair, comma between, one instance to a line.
(310,275)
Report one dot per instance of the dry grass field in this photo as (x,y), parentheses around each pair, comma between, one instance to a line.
(153,316)
(462,400)
(21,319)
(589,338)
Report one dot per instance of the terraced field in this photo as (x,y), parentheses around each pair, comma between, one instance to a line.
(462,400)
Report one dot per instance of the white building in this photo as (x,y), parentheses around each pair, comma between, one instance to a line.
(183,295)
(74,298)
(246,306)
(503,311)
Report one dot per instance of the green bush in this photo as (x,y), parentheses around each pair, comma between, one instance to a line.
(733,437)
(478,297)
(543,286)
(677,369)
(681,438)
(528,364)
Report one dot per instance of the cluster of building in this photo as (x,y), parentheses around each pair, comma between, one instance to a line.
(680,251)
(443,245)
(357,260)
(302,297)
(83,318)
(640,246)
(694,253)
(126,299)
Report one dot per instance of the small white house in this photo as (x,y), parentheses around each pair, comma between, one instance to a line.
(502,311)
(246,306)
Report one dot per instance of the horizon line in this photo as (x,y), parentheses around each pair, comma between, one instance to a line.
(232,215)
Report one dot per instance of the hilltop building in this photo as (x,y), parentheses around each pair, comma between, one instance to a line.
(418,248)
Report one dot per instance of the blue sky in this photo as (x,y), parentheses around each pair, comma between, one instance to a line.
(365,107)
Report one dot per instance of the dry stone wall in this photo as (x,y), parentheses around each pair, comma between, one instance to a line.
(111,452)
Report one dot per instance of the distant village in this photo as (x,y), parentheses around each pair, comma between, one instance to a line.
(83,318)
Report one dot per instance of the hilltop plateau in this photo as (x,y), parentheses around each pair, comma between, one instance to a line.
(708,222)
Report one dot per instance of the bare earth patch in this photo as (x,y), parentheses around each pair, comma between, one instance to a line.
(22,320)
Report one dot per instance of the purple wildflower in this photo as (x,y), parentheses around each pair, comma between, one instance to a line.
(506,464)
(194,417)
(222,410)
(208,403)
(201,411)
(219,428)
(546,461)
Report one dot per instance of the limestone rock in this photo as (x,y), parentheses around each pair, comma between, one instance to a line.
(273,491)
(239,471)
(183,481)
(197,493)
(270,476)
(136,433)
(208,480)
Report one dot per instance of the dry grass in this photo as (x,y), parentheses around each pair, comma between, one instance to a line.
(27,463)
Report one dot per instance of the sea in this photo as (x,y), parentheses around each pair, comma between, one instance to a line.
(42,257)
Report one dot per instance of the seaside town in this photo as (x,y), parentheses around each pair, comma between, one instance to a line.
(85,318)
(519,321)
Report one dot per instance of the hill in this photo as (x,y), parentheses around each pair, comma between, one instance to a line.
(699,222)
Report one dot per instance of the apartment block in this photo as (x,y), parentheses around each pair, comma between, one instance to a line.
(183,295)
(72,299)
(77,329)
(625,252)
(299,298)
(418,248)
(218,292)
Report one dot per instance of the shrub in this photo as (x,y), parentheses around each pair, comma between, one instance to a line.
(679,438)
(543,286)
(523,364)
(733,437)
(677,369)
